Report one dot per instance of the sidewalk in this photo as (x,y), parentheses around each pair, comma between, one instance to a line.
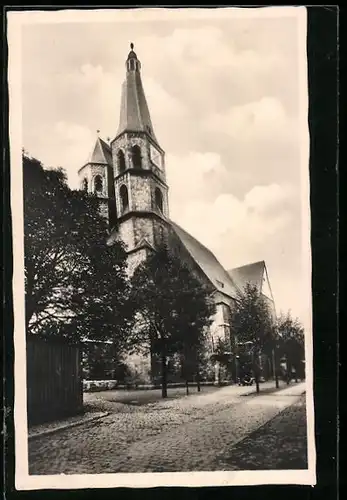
(60,425)
(279,444)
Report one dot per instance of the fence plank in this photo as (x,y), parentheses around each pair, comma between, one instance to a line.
(54,380)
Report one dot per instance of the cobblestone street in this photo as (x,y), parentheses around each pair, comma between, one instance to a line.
(190,433)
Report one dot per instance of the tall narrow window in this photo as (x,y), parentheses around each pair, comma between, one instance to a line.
(121,161)
(98,184)
(158,200)
(136,156)
(123,192)
(85,184)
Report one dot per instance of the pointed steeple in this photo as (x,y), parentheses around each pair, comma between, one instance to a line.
(100,154)
(134,112)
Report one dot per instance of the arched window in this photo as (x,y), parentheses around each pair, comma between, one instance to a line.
(121,161)
(85,184)
(136,156)
(98,184)
(158,199)
(123,192)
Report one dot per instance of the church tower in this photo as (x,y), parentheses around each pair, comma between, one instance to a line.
(141,191)
(96,176)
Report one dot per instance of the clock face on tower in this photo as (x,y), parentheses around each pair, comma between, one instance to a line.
(156,157)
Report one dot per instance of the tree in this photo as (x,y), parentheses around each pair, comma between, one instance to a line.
(252,323)
(75,285)
(172,309)
(222,355)
(291,343)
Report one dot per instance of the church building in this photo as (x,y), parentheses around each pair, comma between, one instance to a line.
(129,176)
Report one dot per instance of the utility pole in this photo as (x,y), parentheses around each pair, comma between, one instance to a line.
(237,357)
(274,365)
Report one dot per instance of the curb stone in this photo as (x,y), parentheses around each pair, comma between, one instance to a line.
(70,425)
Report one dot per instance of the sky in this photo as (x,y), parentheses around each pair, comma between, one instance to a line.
(223,94)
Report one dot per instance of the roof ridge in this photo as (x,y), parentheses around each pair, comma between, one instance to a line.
(213,270)
(190,236)
(247,265)
(104,144)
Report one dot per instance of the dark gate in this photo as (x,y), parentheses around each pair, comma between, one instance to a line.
(54,380)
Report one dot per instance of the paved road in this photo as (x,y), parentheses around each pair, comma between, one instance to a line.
(141,397)
(184,434)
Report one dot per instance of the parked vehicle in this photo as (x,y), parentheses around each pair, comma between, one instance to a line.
(246,380)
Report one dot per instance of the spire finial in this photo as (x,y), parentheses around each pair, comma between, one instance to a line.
(132,46)
(98,131)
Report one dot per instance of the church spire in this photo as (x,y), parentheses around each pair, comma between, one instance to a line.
(134,112)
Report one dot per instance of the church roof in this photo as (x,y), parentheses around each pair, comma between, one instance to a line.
(134,112)
(100,154)
(209,264)
(250,273)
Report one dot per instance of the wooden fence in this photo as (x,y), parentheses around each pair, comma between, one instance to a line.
(54,380)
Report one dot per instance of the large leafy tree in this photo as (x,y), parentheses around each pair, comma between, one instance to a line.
(173,310)
(252,324)
(291,341)
(75,285)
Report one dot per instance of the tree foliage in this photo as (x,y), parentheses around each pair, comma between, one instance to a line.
(291,341)
(252,323)
(75,285)
(173,309)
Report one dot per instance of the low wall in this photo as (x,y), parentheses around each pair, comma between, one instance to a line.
(108,385)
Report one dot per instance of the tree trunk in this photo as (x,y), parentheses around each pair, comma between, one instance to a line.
(296,374)
(163,377)
(187,387)
(257,383)
(289,372)
(256,373)
(198,381)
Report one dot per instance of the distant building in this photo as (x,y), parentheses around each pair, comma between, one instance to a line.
(129,177)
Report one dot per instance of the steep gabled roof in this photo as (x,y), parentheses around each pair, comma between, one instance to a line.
(250,273)
(208,263)
(101,154)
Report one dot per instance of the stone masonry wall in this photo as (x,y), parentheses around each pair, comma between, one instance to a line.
(125,143)
(140,190)
(126,233)
(89,172)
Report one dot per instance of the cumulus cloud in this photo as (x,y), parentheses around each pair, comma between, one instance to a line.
(198,203)
(195,175)
(262,121)
(246,224)
(162,105)
(263,198)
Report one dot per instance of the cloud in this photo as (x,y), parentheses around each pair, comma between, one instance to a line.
(162,105)
(263,198)
(198,202)
(246,226)
(195,175)
(264,121)
(65,145)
